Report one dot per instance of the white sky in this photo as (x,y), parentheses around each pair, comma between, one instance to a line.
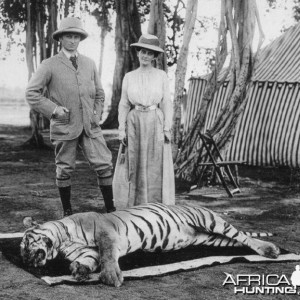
(14,72)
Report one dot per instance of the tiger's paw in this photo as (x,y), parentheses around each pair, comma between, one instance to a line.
(268,249)
(80,272)
(271,251)
(111,275)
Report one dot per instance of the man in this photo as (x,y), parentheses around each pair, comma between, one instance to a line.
(74,107)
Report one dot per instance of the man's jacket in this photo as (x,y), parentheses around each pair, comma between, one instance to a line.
(80,91)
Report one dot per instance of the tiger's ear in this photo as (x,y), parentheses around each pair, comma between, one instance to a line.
(29,222)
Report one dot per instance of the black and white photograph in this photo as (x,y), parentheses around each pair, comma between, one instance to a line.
(149,149)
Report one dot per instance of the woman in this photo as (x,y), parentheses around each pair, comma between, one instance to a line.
(145,121)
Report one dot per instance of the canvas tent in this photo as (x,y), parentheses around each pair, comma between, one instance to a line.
(268,131)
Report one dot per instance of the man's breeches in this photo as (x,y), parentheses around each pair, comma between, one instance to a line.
(95,151)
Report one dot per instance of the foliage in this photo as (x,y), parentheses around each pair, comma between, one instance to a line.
(296,10)
(102,11)
(174,23)
(205,54)
(12,12)
(12,21)
(272,3)
(175,14)
(143,9)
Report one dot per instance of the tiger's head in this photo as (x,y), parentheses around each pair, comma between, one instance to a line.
(36,246)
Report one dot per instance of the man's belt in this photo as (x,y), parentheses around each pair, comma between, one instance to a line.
(145,108)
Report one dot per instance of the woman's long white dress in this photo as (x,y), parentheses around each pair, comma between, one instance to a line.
(151,173)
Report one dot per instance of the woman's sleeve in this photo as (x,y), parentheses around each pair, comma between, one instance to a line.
(167,104)
(124,105)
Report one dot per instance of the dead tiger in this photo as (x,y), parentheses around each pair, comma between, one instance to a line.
(91,240)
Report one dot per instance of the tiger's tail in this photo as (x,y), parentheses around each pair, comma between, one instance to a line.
(259,234)
(223,241)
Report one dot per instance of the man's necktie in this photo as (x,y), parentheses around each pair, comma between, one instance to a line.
(74,61)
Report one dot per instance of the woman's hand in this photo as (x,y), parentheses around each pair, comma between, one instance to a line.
(167,136)
(122,137)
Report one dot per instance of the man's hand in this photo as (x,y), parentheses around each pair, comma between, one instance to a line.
(61,113)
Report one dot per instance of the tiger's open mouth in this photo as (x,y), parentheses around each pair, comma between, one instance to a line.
(40,258)
(35,258)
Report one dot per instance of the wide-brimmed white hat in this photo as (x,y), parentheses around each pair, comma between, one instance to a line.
(148,41)
(70,25)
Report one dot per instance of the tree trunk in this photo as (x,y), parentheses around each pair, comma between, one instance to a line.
(189,153)
(36,139)
(40,19)
(36,20)
(128,31)
(103,17)
(66,10)
(52,45)
(190,18)
(102,46)
(29,41)
(239,18)
(157,27)
(224,125)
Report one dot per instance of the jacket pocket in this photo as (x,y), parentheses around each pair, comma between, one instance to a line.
(60,127)
(63,120)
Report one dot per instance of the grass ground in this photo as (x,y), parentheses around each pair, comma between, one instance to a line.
(269,201)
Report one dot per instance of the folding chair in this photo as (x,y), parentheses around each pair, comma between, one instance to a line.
(214,158)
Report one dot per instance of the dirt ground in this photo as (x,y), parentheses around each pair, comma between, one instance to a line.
(269,202)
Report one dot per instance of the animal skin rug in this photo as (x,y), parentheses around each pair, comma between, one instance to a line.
(176,267)
(163,269)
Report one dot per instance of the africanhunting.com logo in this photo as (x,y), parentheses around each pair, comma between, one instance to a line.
(270,284)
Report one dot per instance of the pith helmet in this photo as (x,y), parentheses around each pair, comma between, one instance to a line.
(70,25)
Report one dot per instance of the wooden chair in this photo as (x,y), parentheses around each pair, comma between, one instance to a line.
(213,158)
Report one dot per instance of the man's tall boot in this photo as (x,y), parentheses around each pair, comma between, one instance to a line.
(107,194)
(65,196)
